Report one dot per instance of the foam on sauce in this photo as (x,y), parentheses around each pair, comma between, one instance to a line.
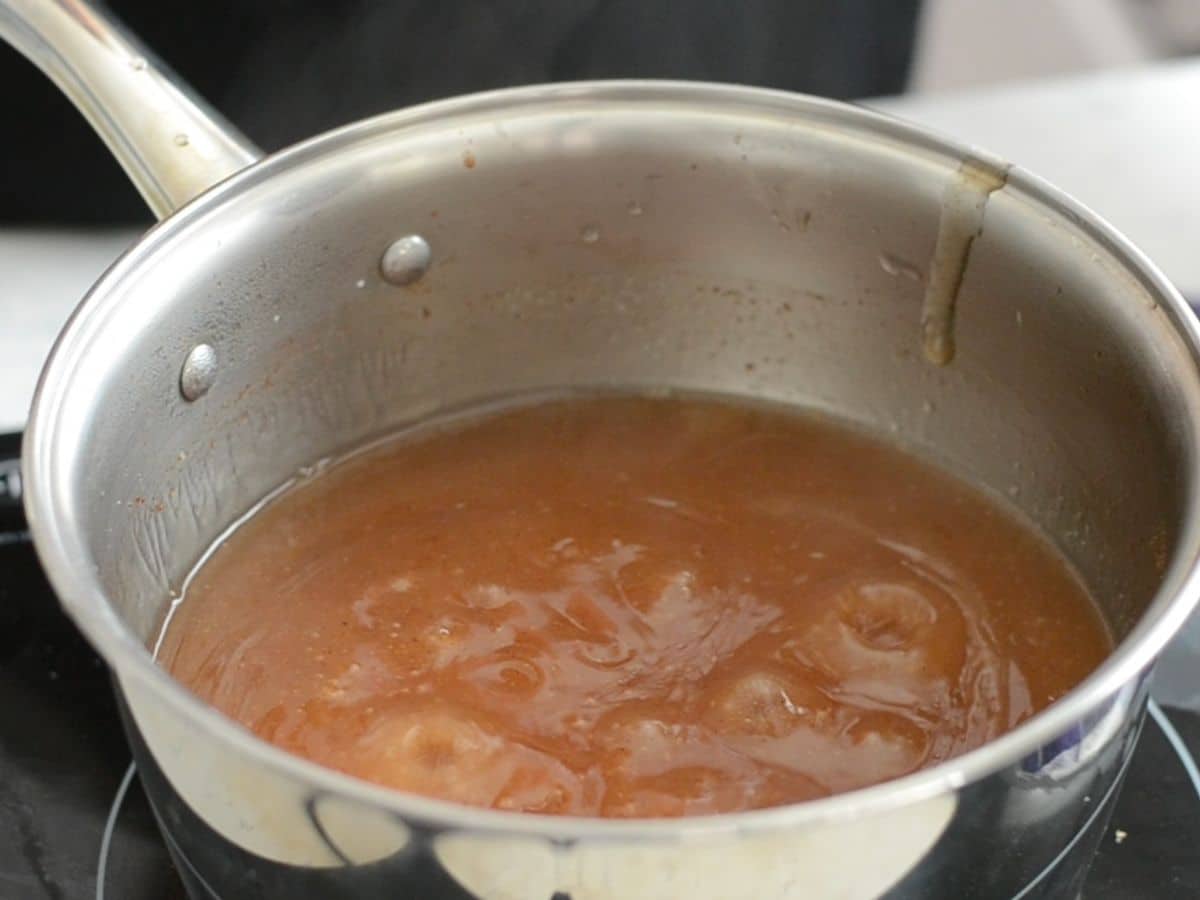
(623,606)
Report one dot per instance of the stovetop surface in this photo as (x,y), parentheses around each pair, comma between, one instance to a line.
(65,822)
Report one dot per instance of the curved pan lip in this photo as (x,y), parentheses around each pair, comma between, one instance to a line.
(62,549)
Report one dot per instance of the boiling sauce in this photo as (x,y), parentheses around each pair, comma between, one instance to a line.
(625,606)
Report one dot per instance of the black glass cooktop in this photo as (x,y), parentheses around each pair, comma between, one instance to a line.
(74,823)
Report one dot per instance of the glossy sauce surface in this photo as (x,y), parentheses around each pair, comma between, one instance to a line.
(632,607)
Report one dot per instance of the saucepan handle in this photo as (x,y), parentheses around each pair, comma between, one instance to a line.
(171,143)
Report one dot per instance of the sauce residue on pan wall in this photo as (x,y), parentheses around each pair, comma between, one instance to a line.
(960,224)
(623,606)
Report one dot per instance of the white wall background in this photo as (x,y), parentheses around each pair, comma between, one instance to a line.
(964,43)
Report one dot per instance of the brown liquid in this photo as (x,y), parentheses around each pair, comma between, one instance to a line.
(633,607)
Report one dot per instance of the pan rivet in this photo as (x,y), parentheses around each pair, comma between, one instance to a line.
(406,260)
(198,373)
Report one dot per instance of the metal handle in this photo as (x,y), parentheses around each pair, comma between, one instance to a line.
(171,143)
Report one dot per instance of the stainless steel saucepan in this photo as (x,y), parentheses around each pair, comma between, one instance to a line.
(631,234)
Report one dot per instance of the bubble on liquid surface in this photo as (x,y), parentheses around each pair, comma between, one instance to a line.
(764,703)
(444,753)
(888,617)
(589,234)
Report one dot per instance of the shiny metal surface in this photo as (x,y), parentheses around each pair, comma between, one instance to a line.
(781,248)
(171,144)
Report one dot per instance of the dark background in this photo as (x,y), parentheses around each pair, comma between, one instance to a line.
(283,70)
